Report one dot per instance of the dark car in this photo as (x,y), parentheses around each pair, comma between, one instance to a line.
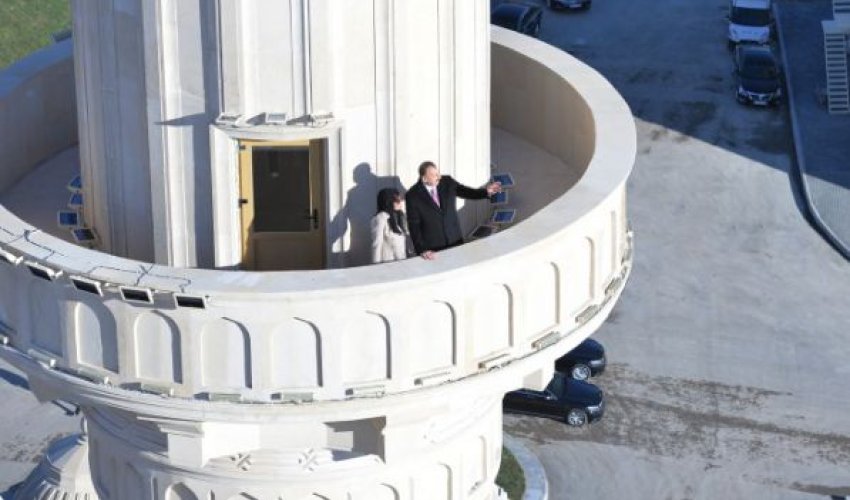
(757,76)
(568,4)
(519,17)
(573,401)
(584,361)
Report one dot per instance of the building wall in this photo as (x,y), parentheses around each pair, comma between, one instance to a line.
(396,82)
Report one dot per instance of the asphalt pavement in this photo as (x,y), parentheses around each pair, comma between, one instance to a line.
(729,375)
(822,140)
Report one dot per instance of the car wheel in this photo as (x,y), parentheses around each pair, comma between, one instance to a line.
(576,417)
(580,372)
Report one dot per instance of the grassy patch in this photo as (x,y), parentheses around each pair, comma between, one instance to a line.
(26,25)
(510,476)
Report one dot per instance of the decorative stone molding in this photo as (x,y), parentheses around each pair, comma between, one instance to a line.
(306,360)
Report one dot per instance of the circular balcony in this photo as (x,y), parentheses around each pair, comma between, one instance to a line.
(507,304)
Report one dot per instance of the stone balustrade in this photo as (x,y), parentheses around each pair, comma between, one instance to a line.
(346,333)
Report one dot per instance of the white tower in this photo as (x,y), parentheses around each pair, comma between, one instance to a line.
(227,343)
(170,91)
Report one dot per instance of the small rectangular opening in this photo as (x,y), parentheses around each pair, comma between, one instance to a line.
(190,301)
(87,285)
(42,272)
(9,258)
(136,294)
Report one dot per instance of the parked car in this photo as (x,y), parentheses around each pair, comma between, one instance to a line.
(750,21)
(573,401)
(757,76)
(568,4)
(519,17)
(584,361)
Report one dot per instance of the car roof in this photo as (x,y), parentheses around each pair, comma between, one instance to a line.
(751,4)
(756,52)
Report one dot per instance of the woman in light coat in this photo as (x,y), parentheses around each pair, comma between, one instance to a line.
(389,229)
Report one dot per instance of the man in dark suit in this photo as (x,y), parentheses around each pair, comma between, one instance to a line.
(432,209)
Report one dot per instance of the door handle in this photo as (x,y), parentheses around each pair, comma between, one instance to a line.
(314,217)
(242,201)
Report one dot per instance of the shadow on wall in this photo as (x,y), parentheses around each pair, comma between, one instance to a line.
(348,233)
(199,176)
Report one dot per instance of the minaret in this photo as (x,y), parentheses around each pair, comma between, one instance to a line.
(225,341)
(186,106)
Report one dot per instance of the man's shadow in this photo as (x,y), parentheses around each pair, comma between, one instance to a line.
(349,232)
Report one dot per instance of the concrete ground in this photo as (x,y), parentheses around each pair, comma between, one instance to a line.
(27,427)
(729,349)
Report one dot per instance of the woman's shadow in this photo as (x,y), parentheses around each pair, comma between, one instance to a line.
(348,233)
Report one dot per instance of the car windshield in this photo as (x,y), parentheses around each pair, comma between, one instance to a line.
(750,17)
(557,386)
(759,67)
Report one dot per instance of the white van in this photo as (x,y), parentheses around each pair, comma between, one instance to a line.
(750,21)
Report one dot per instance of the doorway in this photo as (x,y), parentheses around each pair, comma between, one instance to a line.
(282,203)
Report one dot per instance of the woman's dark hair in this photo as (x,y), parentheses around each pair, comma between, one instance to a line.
(386,198)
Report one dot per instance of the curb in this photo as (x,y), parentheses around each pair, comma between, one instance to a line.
(819,223)
(536,485)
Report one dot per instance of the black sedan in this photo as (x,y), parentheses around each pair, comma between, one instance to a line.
(568,4)
(757,76)
(573,401)
(519,17)
(584,361)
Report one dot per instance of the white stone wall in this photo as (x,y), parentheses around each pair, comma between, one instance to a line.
(421,350)
(404,81)
(444,447)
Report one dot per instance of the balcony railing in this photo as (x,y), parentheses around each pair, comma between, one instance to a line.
(369,331)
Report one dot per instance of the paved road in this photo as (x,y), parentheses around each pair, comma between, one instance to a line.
(824,141)
(730,346)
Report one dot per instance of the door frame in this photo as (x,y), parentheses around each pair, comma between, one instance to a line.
(224,154)
(318,186)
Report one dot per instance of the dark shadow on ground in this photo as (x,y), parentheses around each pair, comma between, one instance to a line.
(70,409)
(14,379)
(674,70)
(10,493)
